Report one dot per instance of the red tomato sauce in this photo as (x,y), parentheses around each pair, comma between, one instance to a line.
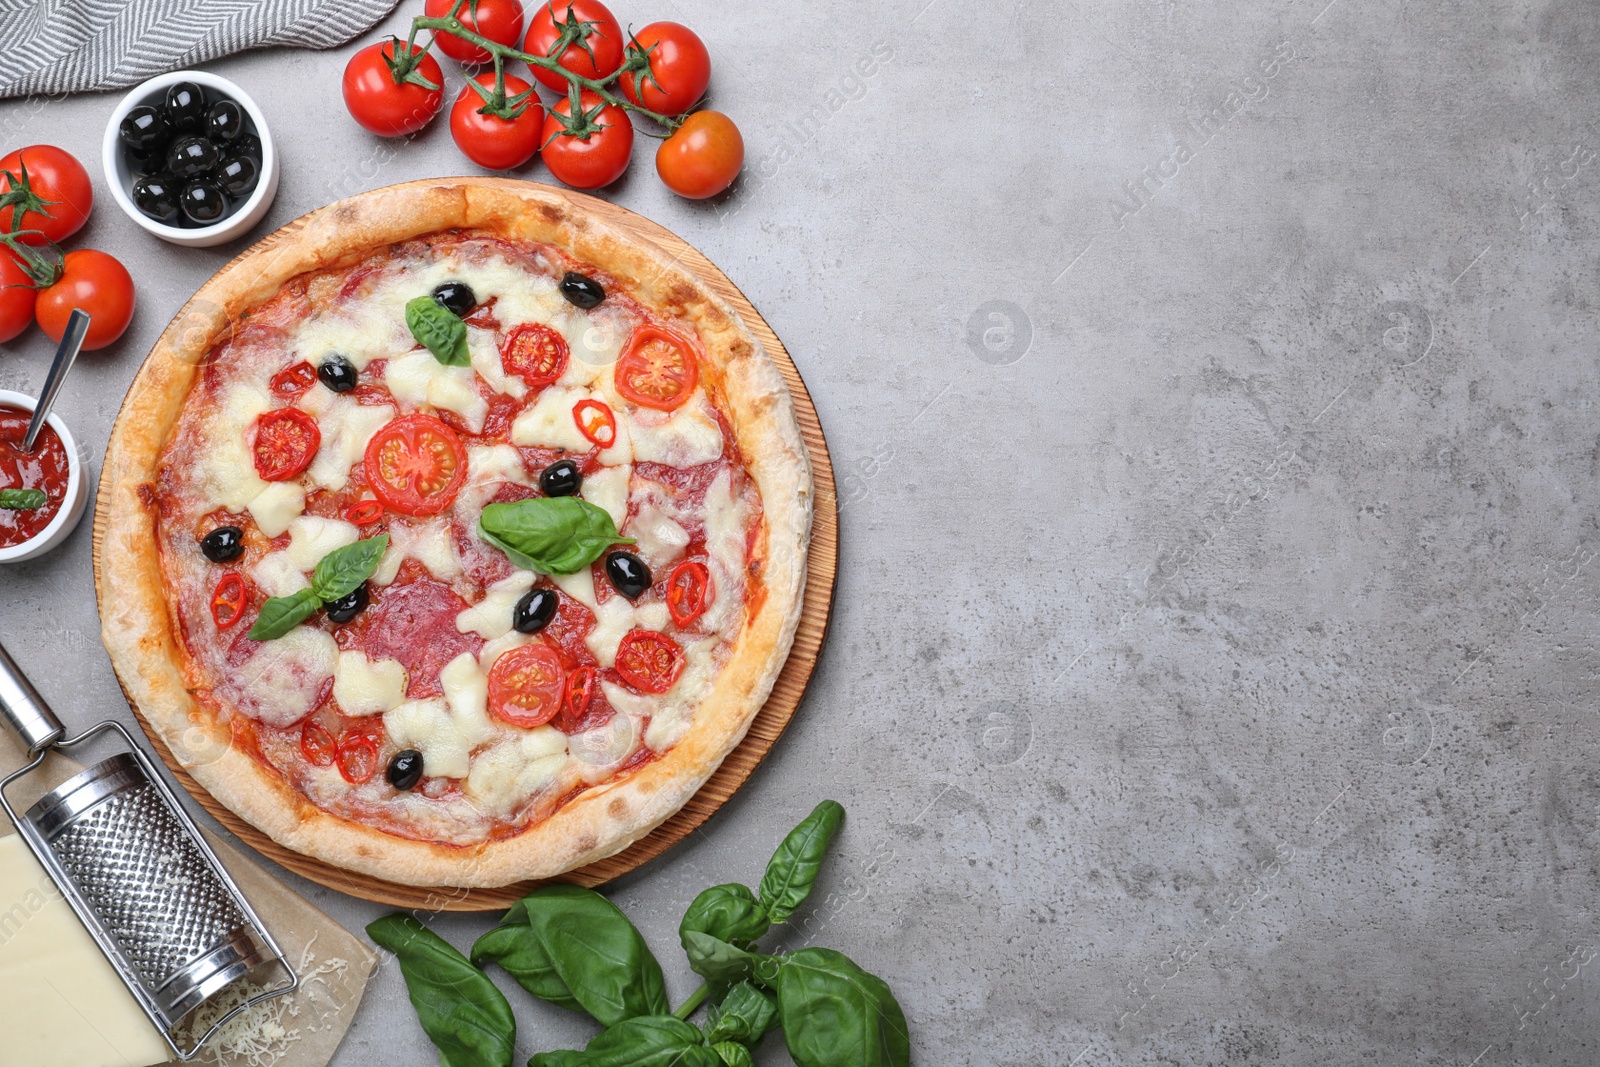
(46,467)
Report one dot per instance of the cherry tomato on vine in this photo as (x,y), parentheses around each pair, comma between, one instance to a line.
(489,140)
(594,35)
(680,69)
(498,20)
(383,107)
(595,160)
(95,282)
(702,157)
(54,175)
(16,297)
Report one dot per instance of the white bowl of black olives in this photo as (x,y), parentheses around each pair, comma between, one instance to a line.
(188,156)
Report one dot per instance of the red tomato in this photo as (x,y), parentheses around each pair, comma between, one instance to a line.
(383,107)
(358,757)
(228,600)
(702,157)
(54,176)
(498,20)
(592,161)
(415,465)
(680,69)
(95,282)
(316,743)
(688,592)
(658,369)
(294,380)
(16,297)
(594,37)
(596,422)
(489,140)
(650,662)
(535,353)
(286,441)
(525,685)
(364,512)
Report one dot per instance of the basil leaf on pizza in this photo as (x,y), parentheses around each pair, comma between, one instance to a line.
(340,571)
(793,868)
(23,499)
(460,1009)
(552,535)
(439,330)
(281,614)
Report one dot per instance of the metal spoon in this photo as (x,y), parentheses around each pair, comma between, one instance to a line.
(66,354)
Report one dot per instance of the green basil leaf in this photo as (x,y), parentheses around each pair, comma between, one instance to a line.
(713,958)
(561,1058)
(439,330)
(733,1054)
(793,868)
(646,1041)
(552,535)
(340,571)
(728,912)
(283,613)
(833,1013)
(572,947)
(745,1014)
(23,499)
(460,1009)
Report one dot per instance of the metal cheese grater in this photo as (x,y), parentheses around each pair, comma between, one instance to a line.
(138,874)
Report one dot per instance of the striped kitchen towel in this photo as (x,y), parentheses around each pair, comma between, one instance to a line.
(51,47)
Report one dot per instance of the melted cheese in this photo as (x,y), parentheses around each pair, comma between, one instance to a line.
(549,422)
(522,297)
(491,617)
(429,543)
(368,687)
(225,467)
(275,506)
(613,620)
(600,750)
(725,516)
(687,439)
(311,538)
(278,575)
(673,717)
(579,586)
(485,355)
(346,428)
(488,468)
(427,726)
(607,489)
(421,380)
(505,777)
(282,679)
(659,540)
(493,650)
(466,690)
(653,615)
(595,340)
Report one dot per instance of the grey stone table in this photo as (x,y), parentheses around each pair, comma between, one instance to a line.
(1212,387)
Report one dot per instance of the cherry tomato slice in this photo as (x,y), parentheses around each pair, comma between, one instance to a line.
(658,369)
(292,381)
(316,744)
(649,661)
(596,422)
(227,602)
(579,692)
(358,757)
(535,353)
(688,592)
(286,441)
(525,685)
(415,465)
(364,512)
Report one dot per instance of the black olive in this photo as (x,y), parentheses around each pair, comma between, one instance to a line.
(223,543)
(247,144)
(337,373)
(348,606)
(144,130)
(192,157)
(156,195)
(186,107)
(628,573)
(561,478)
(237,175)
(534,611)
(456,297)
(224,121)
(152,162)
(203,203)
(581,291)
(405,769)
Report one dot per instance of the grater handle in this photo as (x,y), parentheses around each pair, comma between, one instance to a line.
(25,710)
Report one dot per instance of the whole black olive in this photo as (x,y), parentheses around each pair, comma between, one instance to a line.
(185,107)
(237,175)
(156,195)
(348,606)
(224,121)
(203,203)
(143,129)
(337,373)
(405,769)
(223,544)
(247,144)
(152,162)
(628,573)
(534,611)
(456,297)
(192,157)
(582,291)
(561,478)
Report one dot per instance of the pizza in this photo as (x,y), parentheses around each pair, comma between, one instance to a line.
(453,536)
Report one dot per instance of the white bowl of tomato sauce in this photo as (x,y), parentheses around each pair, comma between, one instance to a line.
(53,466)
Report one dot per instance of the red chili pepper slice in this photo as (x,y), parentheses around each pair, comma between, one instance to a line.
(292,381)
(358,757)
(579,692)
(688,592)
(596,422)
(316,743)
(227,601)
(364,512)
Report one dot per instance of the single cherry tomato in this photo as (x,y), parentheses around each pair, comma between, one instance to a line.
(596,159)
(702,157)
(228,601)
(596,422)
(364,512)
(649,661)
(688,592)
(415,465)
(535,353)
(498,20)
(379,104)
(680,69)
(317,744)
(658,369)
(594,37)
(525,685)
(16,297)
(358,756)
(287,440)
(55,177)
(578,693)
(489,140)
(292,381)
(95,282)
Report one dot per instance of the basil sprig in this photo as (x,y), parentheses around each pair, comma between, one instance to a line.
(22,499)
(461,1011)
(552,535)
(337,575)
(439,330)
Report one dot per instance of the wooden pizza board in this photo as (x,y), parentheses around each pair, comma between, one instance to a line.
(769,723)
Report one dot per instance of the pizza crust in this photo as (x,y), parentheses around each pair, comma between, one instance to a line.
(139,627)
